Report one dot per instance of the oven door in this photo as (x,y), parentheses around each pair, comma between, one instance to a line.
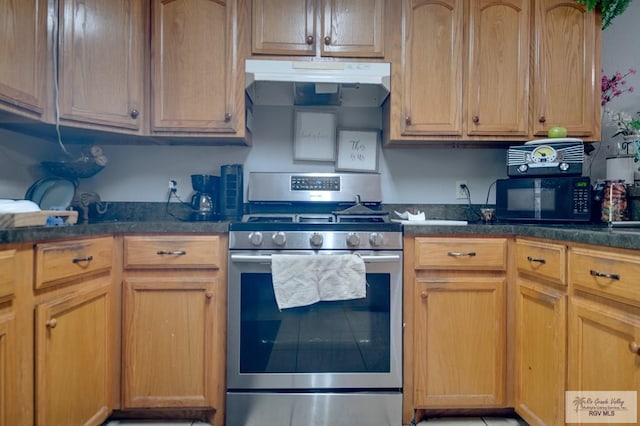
(351,344)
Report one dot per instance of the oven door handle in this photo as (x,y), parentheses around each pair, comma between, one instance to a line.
(259,258)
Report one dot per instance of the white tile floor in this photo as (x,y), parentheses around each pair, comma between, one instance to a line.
(472,421)
(449,421)
(154,423)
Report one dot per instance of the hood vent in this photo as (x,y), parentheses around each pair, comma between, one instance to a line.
(351,84)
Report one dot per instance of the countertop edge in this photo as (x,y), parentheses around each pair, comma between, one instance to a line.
(583,234)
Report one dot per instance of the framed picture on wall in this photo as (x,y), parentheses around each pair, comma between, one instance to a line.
(357,150)
(314,137)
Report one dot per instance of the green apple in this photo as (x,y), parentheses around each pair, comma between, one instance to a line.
(557,132)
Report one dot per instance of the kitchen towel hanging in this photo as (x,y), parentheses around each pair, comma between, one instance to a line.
(301,280)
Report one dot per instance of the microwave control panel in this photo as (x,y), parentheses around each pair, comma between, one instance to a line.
(581,197)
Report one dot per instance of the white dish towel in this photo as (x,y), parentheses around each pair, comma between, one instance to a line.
(301,280)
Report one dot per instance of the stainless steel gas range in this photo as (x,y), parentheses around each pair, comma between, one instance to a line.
(331,362)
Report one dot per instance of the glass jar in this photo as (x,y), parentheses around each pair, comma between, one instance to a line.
(614,201)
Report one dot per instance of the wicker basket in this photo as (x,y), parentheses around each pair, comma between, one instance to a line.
(72,169)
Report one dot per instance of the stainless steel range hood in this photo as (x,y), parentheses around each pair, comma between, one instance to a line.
(316,83)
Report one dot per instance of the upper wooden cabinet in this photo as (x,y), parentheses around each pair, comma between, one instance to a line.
(431,70)
(196,83)
(566,68)
(23,43)
(463,71)
(498,64)
(101,57)
(343,28)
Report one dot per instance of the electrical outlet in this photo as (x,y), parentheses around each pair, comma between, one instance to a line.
(460,192)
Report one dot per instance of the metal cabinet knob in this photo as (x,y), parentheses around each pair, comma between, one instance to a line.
(310,39)
(407,119)
(476,119)
(327,40)
(227,117)
(542,119)
(134,113)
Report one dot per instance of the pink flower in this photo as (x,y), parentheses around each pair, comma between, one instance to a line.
(615,85)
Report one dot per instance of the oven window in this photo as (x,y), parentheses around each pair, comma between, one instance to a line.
(326,337)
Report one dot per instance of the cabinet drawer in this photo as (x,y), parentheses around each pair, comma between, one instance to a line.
(7,273)
(171,252)
(543,260)
(56,262)
(461,253)
(609,274)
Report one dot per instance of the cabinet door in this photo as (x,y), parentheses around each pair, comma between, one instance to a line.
(23,30)
(498,73)
(540,353)
(168,351)
(432,67)
(193,64)
(283,27)
(567,68)
(8,370)
(101,57)
(459,342)
(353,28)
(73,362)
(603,348)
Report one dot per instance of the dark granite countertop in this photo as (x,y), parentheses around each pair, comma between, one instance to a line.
(19,235)
(588,234)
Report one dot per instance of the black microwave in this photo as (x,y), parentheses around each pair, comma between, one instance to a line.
(551,199)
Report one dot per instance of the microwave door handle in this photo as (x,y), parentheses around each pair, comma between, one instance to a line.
(258,258)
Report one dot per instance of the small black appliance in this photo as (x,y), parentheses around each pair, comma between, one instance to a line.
(205,199)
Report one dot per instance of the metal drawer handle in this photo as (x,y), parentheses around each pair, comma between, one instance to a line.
(82,259)
(535,259)
(172,253)
(460,253)
(600,274)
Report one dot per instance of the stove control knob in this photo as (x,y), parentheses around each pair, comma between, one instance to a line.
(255,238)
(353,239)
(375,239)
(564,166)
(316,239)
(279,238)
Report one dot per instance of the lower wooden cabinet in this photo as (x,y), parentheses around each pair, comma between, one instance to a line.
(540,331)
(73,362)
(604,320)
(455,323)
(174,323)
(540,353)
(604,352)
(168,342)
(459,342)
(8,354)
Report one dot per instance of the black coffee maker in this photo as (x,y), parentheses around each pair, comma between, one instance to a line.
(205,202)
